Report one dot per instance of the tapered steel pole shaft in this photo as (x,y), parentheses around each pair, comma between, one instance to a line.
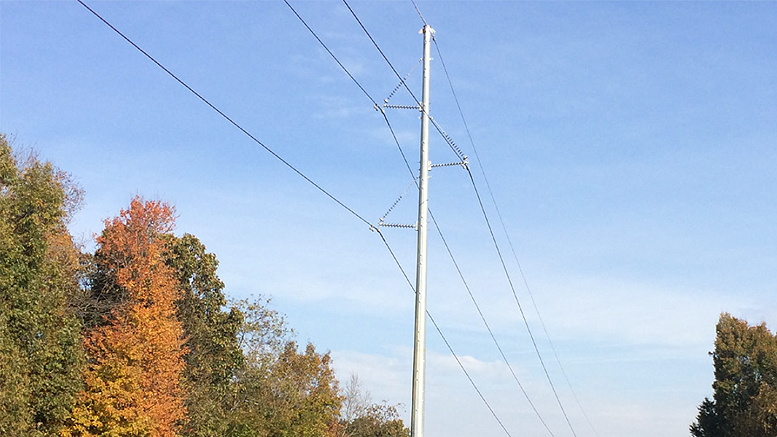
(419,351)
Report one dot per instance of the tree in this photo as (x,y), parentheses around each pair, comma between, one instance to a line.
(136,339)
(303,394)
(135,358)
(362,418)
(356,400)
(744,400)
(213,355)
(40,354)
(281,392)
(377,420)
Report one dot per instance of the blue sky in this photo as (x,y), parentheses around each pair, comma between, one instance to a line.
(630,147)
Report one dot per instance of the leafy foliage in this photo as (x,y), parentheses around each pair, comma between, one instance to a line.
(138,339)
(280,391)
(40,354)
(362,418)
(745,388)
(213,355)
(135,360)
(377,420)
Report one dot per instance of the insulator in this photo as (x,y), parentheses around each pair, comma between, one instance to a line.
(396,225)
(400,107)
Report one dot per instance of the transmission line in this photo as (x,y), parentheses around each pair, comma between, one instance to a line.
(458,152)
(230,120)
(445,340)
(504,228)
(520,308)
(488,327)
(382,237)
(419,12)
(401,80)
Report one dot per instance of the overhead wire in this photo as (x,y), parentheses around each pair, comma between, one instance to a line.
(488,327)
(504,228)
(445,340)
(460,154)
(226,117)
(347,72)
(520,308)
(331,54)
(419,13)
(385,242)
(402,81)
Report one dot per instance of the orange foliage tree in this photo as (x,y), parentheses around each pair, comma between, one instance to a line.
(135,356)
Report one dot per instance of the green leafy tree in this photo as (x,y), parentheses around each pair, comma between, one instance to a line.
(303,393)
(40,354)
(214,356)
(281,392)
(744,400)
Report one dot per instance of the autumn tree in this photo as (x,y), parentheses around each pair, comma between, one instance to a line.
(138,339)
(40,354)
(304,393)
(744,400)
(135,358)
(377,420)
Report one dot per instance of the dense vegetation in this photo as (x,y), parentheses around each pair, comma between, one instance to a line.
(138,338)
(744,402)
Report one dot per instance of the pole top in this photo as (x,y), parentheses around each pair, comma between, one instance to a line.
(427,28)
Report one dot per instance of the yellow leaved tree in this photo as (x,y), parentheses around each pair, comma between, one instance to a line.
(135,354)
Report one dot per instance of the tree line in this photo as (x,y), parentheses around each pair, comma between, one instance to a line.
(138,338)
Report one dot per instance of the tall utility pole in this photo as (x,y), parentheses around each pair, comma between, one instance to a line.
(419,352)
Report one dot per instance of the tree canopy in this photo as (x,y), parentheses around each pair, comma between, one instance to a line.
(135,360)
(744,402)
(40,353)
(138,339)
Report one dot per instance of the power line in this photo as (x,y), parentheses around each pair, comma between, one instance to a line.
(385,117)
(331,54)
(382,237)
(459,153)
(419,12)
(445,340)
(520,308)
(402,81)
(218,111)
(504,228)
(490,332)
